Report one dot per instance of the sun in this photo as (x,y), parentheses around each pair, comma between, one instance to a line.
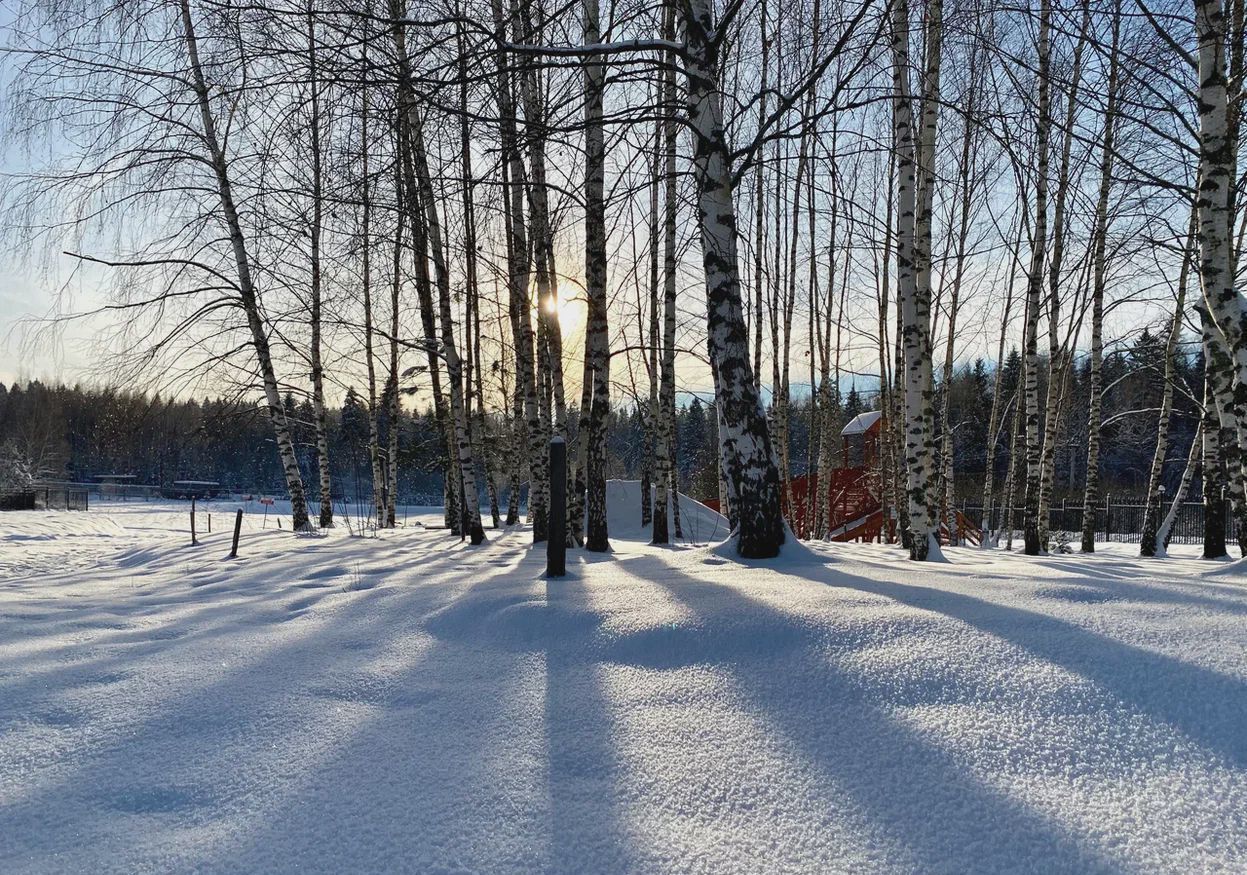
(570,307)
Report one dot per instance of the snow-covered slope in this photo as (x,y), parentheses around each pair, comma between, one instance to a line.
(411,704)
(701,525)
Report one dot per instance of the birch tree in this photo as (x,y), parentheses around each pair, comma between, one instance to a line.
(1057,371)
(247,292)
(1039,242)
(1217,151)
(915,185)
(745,439)
(664,496)
(1151,544)
(524,404)
(1099,243)
(597,341)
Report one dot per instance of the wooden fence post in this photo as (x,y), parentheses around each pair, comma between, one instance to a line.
(194,540)
(556,545)
(233,553)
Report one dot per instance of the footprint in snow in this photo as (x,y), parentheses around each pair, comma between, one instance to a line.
(157,800)
(103,680)
(299,605)
(58,718)
(327,573)
(1079,594)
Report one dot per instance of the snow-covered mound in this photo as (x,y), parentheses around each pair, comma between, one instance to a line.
(699,524)
(793,552)
(408,702)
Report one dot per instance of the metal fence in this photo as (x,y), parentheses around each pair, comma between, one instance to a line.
(1113,521)
(64,496)
(124,491)
(73,492)
(46,497)
(17,499)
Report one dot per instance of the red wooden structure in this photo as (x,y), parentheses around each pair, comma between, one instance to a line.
(854,508)
(854,511)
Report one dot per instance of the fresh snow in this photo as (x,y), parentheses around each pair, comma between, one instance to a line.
(407,703)
(700,524)
(861,423)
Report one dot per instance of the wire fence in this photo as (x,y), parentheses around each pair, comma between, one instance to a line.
(45,497)
(17,499)
(1114,521)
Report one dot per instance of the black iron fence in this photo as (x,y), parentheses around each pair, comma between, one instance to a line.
(17,499)
(62,496)
(1114,521)
(65,496)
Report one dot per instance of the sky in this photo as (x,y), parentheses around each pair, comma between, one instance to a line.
(21,298)
(80,352)
(30,348)
(24,293)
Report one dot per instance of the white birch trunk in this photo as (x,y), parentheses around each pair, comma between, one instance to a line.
(597,340)
(1179,495)
(391,389)
(1150,544)
(915,182)
(665,433)
(966,180)
(471,508)
(1091,491)
(374,447)
(1056,346)
(745,441)
(1217,160)
(525,414)
(1031,523)
(408,119)
(248,295)
(318,370)
(550,345)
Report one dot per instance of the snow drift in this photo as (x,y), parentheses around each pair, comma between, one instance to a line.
(700,524)
(408,703)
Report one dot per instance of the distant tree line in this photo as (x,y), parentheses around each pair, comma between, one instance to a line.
(77,433)
(415,197)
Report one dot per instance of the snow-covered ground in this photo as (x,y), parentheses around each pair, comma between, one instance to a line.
(408,703)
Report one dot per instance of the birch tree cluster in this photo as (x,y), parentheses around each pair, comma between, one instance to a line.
(531,216)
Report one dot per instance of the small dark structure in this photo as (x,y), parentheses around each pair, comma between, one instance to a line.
(47,495)
(121,487)
(556,544)
(233,550)
(17,499)
(192,489)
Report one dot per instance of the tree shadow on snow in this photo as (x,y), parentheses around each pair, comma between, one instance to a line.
(362,725)
(1208,706)
(1140,587)
(902,782)
(467,761)
(585,831)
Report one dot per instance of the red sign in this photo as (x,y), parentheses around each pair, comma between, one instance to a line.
(268,501)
